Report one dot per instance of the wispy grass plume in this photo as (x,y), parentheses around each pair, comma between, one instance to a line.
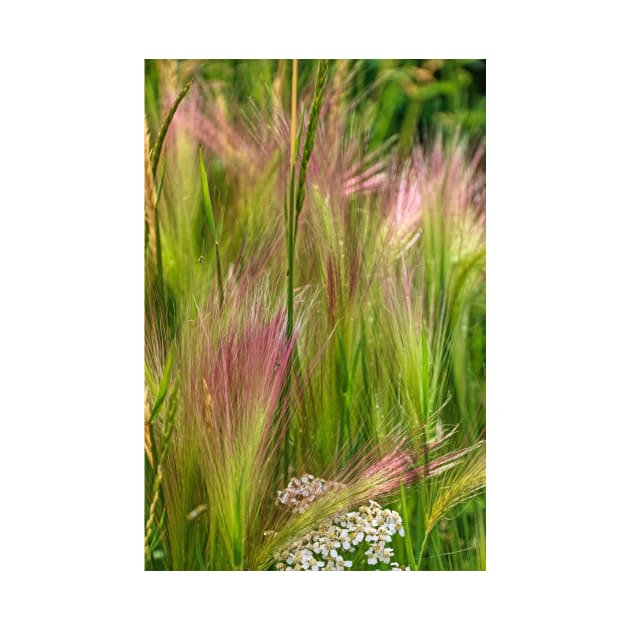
(341,342)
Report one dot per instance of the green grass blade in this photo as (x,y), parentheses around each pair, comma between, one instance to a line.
(205,195)
(157,148)
(425,375)
(159,190)
(406,523)
(158,240)
(161,394)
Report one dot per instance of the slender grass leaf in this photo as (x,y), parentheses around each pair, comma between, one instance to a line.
(205,195)
(163,388)
(407,524)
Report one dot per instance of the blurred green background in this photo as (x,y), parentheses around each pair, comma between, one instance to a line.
(406,98)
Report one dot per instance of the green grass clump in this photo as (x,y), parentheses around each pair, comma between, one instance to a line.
(314,303)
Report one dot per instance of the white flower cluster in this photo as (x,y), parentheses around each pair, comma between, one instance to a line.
(301,492)
(324,547)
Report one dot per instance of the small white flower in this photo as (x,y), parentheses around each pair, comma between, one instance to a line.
(358,538)
(319,549)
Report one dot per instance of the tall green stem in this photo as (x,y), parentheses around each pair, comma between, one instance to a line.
(219,275)
(296,202)
(216,232)
(422,546)
(290,210)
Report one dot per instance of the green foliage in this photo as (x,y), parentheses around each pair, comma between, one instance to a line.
(425,96)
(378,294)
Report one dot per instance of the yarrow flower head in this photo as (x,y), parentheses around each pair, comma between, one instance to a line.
(302,491)
(362,534)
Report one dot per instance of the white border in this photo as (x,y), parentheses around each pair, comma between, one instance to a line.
(72,326)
